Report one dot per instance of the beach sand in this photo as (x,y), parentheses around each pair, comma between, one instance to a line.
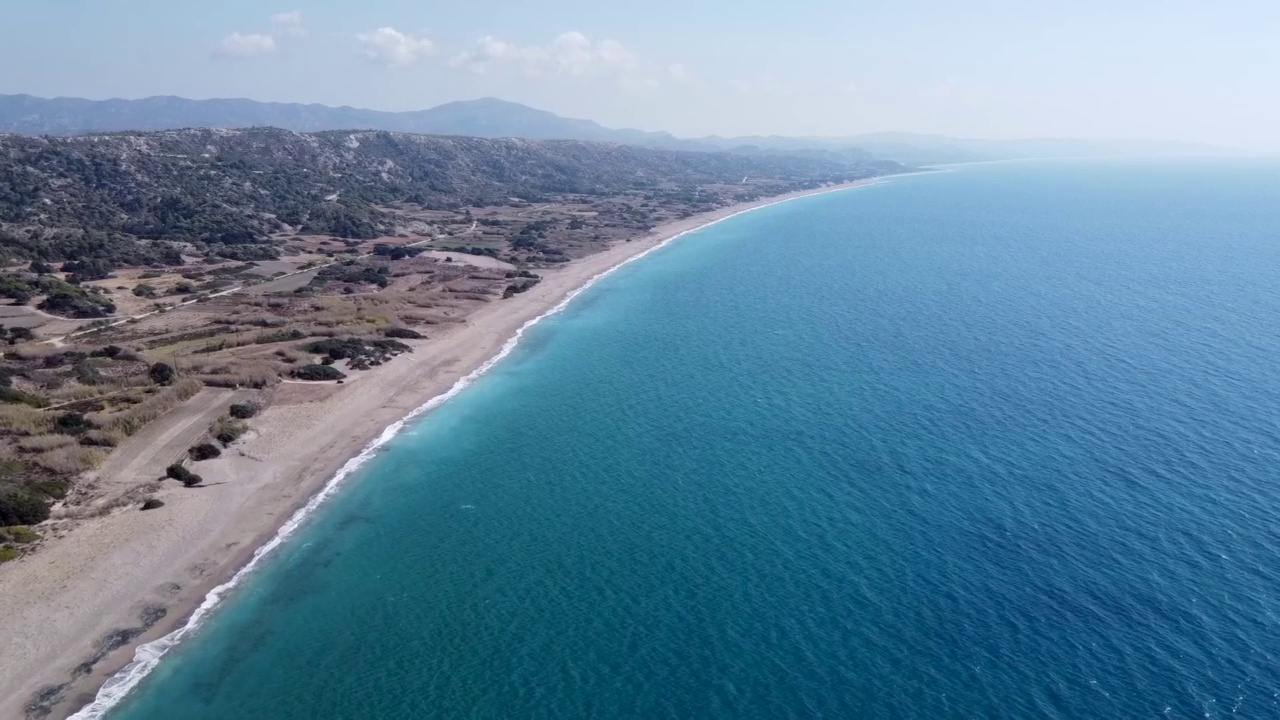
(146,572)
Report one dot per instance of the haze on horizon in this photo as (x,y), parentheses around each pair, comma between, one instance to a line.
(1176,70)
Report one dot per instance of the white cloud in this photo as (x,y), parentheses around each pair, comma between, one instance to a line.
(490,50)
(288,24)
(240,46)
(571,53)
(679,74)
(394,48)
(248,45)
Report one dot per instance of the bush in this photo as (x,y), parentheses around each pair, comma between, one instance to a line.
(183,475)
(162,374)
(405,333)
(316,373)
(72,423)
(244,411)
(228,431)
(87,373)
(16,289)
(204,451)
(22,507)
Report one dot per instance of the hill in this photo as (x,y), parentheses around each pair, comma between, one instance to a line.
(231,189)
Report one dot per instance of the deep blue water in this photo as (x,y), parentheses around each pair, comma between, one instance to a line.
(999,442)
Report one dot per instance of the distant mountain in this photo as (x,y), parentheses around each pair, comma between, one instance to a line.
(486,117)
(493,118)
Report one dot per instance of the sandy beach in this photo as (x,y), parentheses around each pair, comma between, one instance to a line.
(75,611)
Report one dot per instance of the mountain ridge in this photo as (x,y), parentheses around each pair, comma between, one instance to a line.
(490,117)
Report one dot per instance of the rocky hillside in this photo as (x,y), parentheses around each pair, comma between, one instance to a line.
(235,187)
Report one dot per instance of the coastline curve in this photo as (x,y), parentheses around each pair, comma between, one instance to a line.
(148,655)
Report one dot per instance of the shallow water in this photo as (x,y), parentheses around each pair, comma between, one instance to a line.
(995,442)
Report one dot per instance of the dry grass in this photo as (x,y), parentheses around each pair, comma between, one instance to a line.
(241,375)
(105,438)
(37,351)
(135,418)
(24,420)
(71,460)
(72,392)
(43,443)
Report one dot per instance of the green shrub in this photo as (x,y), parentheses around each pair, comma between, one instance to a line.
(7,554)
(19,506)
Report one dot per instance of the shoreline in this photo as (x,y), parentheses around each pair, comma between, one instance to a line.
(300,456)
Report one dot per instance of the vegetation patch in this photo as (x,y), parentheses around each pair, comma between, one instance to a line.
(518,287)
(402,333)
(361,353)
(315,373)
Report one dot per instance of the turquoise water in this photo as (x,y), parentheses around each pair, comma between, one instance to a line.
(996,442)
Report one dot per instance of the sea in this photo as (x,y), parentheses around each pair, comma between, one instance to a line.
(997,441)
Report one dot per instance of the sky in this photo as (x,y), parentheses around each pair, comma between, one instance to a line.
(1168,70)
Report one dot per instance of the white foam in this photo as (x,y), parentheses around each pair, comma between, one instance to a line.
(148,655)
